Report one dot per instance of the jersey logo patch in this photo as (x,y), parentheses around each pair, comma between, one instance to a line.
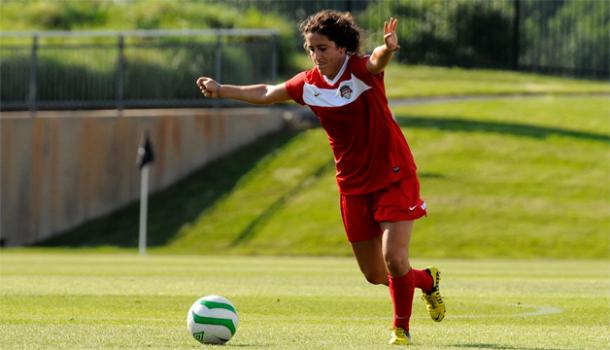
(347,92)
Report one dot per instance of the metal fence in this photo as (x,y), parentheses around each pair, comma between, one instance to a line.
(570,37)
(156,68)
(153,68)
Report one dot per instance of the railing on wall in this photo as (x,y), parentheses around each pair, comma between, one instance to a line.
(142,68)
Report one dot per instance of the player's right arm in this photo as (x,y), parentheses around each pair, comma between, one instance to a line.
(261,94)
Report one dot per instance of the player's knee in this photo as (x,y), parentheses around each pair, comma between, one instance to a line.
(397,263)
(376,278)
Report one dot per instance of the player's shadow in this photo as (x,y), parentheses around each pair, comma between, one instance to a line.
(170,209)
(518,129)
(497,346)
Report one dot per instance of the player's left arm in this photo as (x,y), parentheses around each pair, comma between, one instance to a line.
(383,54)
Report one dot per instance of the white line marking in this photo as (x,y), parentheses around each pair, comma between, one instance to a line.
(539,310)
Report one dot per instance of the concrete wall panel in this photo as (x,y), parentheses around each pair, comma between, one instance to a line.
(62,168)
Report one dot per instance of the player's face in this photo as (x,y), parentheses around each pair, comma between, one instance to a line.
(324,53)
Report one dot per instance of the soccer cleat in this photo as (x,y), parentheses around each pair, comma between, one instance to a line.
(399,337)
(433,299)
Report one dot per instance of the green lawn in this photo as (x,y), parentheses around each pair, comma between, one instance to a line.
(520,178)
(408,81)
(122,301)
(417,81)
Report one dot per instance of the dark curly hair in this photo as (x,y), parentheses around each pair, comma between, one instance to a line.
(336,26)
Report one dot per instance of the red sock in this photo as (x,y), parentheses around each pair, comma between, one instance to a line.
(401,292)
(423,280)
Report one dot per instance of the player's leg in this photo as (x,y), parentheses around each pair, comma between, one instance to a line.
(395,248)
(403,279)
(370,260)
(396,208)
(364,234)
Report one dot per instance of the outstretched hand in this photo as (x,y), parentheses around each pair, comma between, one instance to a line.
(209,87)
(389,34)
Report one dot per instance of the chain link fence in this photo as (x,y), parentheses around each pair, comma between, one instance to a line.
(567,37)
(154,68)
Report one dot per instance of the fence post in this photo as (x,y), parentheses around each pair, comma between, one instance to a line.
(274,55)
(33,76)
(120,86)
(218,62)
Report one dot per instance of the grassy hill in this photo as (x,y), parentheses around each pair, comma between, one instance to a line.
(408,81)
(502,178)
(424,81)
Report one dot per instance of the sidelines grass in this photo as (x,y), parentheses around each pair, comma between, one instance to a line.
(120,301)
(417,81)
(502,178)
(407,81)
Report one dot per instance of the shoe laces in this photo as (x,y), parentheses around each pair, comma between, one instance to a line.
(434,298)
(437,297)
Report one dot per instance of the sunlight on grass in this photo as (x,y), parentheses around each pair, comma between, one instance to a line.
(502,178)
(416,81)
(125,301)
(404,81)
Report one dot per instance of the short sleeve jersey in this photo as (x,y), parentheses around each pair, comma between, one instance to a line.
(369,148)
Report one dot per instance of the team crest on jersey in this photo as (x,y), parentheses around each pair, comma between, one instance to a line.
(346,91)
(344,94)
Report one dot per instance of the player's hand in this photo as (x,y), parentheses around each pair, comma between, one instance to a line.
(389,34)
(209,87)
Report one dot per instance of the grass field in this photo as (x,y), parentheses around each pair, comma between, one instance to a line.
(521,178)
(420,81)
(407,81)
(120,301)
(503,178)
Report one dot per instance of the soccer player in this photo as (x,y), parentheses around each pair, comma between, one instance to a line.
(376,173)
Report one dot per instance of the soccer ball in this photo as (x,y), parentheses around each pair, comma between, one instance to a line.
(212,320)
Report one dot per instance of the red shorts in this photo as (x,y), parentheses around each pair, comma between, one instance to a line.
(398,202)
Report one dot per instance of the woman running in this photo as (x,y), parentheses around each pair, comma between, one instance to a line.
(376,173)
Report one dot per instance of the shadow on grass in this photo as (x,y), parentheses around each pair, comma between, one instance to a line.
(171,208)
(248,232)
(518,129)
(497,346)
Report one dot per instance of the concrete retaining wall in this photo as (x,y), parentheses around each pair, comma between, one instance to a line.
(62,168)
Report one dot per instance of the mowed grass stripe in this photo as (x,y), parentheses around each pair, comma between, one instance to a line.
(403,81)
(492,304)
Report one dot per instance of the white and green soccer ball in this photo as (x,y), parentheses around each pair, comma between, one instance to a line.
(212,320)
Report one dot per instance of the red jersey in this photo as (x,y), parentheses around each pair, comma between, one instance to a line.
(369,148)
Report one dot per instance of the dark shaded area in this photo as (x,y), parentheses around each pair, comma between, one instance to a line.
(480,35)
(427,175)
(175,206)
(517,129)
(248,232)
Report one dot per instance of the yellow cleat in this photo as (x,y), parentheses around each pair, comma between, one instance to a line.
(433,299)
(399,337)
